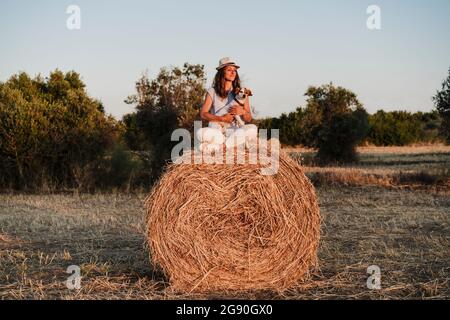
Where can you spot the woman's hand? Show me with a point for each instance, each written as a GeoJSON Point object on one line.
{"type": "Point", "coordinates": [228, 118]}
{"type": "Point", "coordinates": [237, 110]}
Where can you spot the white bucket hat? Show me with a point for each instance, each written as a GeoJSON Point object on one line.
{"type": "Point", "coordinates": [227, 61]}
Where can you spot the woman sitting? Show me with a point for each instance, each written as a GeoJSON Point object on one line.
{"type": "Point", "coordinates": [220, 108]}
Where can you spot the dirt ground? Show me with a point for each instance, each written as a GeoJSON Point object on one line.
{"type": "Point", "coordinates": [403, 231]}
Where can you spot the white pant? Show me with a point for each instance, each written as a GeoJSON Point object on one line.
{"type": "Point", "coordinates": [215, 135]}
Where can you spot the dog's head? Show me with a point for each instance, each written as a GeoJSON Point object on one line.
{"type": "Point", "coordinates": [243, 93]}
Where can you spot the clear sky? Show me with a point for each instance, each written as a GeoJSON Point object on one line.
{"type": "Point", "coordinates": [282, 46]}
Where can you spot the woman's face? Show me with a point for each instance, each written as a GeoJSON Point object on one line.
{"type": "Point", "coordinates": [230, 73]}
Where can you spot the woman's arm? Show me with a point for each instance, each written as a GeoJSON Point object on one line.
{"type": "Point", "coordinates": [204, 112]}
{"type": "Point", "coordinates": [247, 116]}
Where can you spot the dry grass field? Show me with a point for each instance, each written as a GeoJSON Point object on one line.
{"type": "Point", "coordinates": [391, 210]}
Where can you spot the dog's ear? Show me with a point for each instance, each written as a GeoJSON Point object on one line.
{"type": "Point", "coordinates": [249, 92]}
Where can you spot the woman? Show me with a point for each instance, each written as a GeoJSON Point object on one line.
{"type": "Point", "coordinates": [220, 109]}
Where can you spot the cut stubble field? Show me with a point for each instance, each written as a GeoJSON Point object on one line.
{"type": "Point", "coordinates": [403, 228]}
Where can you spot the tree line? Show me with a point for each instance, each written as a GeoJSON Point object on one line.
{"type": "Point", "coordinates": [383, 128]}
{"type": "Point", "coordinates": [54, 136]}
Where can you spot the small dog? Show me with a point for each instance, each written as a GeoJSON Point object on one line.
{"type": "Point", "coordinates": [213, 139]}
{"type": "Point", "coordinates": [241, 95]}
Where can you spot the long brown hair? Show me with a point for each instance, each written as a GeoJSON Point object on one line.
{"type": "Point", "coordinates": [219, 83]}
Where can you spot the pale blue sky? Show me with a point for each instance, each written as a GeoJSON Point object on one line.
{"type": "Point", "coordinates": [282, 46]}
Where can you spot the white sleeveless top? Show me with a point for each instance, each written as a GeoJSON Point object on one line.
{"type": "Point", "coordinates": [220, 106]}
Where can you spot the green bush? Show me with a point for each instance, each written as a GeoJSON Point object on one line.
{"type": "Point", "coordinates": [442, 103]}
{"type": "Point", "coordinates": [335, 122]}
{"type": "Point", "coordinates": [394, 128]}
{"type": "Point", "coordinates": [172, 100]}
{"type": "Point", "coordinates": [295, 128]}
{"type": "Point", "coordinates": [50, 131]}
{"type": "Point", "coordinates": [121, 169]}
{"type": "Point", "coordinates": [339, 138]}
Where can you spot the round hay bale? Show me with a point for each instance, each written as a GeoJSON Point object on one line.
{"type": "Point", "coordinates": [228, 227]}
